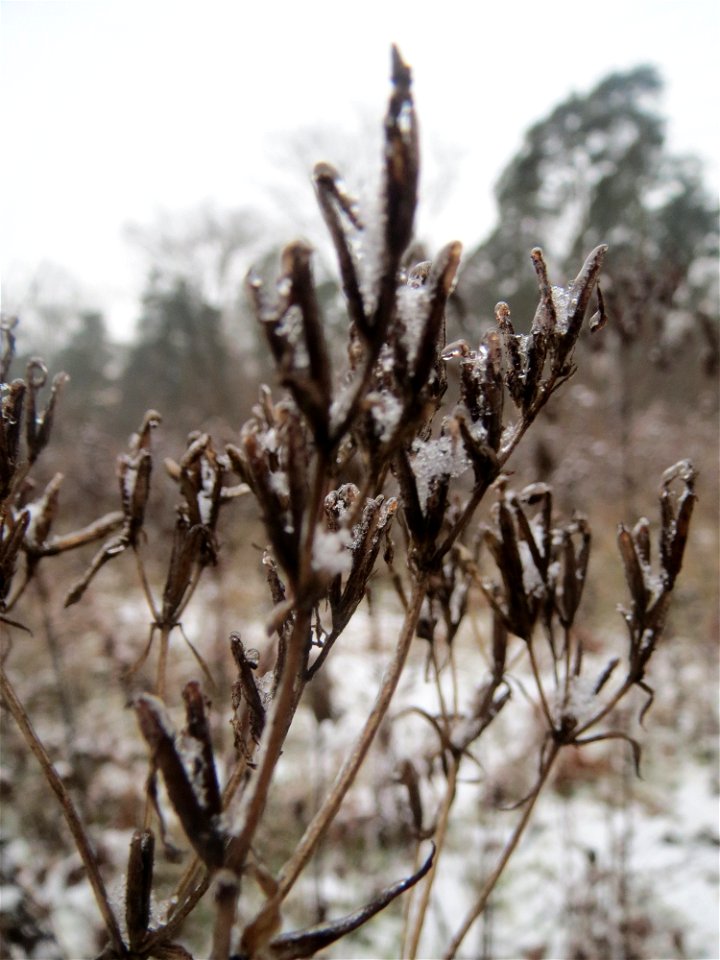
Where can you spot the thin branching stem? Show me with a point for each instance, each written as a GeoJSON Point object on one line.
{"type": "Point", "coordinates": [17, 591]}
{"type": "Point", "coordinates": [608, 708]}
{"type": "Point", "coordinates": [539, 685]}
{"type": "Point", "coordinates": [142, 574]}
{"type": "Point", "coordinates": [491, 882]}
{"type": "Point", "coordinates": [439, 840]}
{"type": "Point", "coordinates": [348, 772]}
{"type": "Point", "coordinates": [175, 922]}
{"type": "Point", "coordinates": [165, 631]}
{"type": "Point", "coordinates": [438, 686]}
{"type": "Point", "coordinates": [568, 666]}
{"type": "Point", "coordinates": [82, 841]}
{"type": "Point", "coordinates": [312, 515]}
{"type": "Point", "coordinates": [273, 740]}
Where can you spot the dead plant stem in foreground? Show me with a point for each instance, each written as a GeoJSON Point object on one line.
{"type": "Point", "coordinates": [71, 815]}
{"type": "Point", "coordinates": [410, 949]}
{"type": "Point", "coordinates": [348, 772]}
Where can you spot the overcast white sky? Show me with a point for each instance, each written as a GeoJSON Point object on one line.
{"type": "Point", "coordinates": [113, 111]}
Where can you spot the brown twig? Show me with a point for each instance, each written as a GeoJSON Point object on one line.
{"type": "Point", "coordinates": [82, 841]}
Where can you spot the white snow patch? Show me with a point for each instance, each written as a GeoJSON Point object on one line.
{"type": "Point", "coordinates": [433, 459]}
{"type": "Point", "coordinates": [331, 553]}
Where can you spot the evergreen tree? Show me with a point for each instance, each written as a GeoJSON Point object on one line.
{"type": "Point", "coordinates": [597, 170]}
{"type": "Point", "coordinates": [87, 359]}
{"type": "Point", "coordinates": [179, 363]}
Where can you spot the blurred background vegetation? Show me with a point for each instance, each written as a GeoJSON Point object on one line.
{"type": "Point", "coordinates": [595, 170]}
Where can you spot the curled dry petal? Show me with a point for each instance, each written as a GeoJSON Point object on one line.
{"type": "Point", "coordinates": [305, 943]}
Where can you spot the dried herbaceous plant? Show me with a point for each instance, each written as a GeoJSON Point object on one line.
{"type": "Point", "coordinates": [350, 473]}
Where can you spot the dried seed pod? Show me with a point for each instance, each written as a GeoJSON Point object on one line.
{"type": "Point", "coordinates": [675, 523]}
{"type": "Point", "coordinates": [333, 200]}
{"type": "Point", "coordinates": [633, 571]}
{"type": "Point", "coordinates": [297, 261]}
{"type": "Point", "coordinates": [134, 475]}
{"type": "Point", "coordinates": [641, 536]}
{"type": "Point", "coordinates": [545, 318]}
{"type": "Point", "coordinates": [578, 297]}
{"type": "Point", "coordinates": [499, 646]}
{"type": "Point", "coordinates": [367, 536]}
{"type": "Point", "coordinates": [277, 587]}
{"type": "Point", "coordinates": [186, 554]}
{"type": "Point", "coordinates": [409, 497]}
{"type": "Point", "coordinates": [138, 886]}
{"type": "Point", "coordinates": [514, 361]}
{"type": "Point", "coordinates": [569, 598]}
{"type": "Point", "coordinates": [272, 487]}
{"type": "Point", "coordinates": [302, 360]}
{"type": "Point", "coordinates": [172, 469]}
{"type": "Point", "coordinates": [527, 535]}
{"type": "Point", "coordinates": [198, 729]}
{"type": "Point", "coordinates": [199, 822]}
{"type": "Point", "coordinates": [482, 456]}
{"type": "Point", "coordinates": [541, 493]}
{"type": "Point", "coordinates": [142, 439]}
{"type": "Point", "coordinates": [513, 604]}
{"type": "Point", "coordinates": [295, 445]}
{"type": "Point", "coordinates": [599, 318]}
{"type": "Point", "coordinates": [439, 282]}
{"type": "Point", "coordinates": [44, 512]}
{"type": "Point", "coordinates": [580, 526]}
{"type": "Point", "coordinates": [36, 374]}
{"type": "Point", "coordinates": [330, 182]}
{"type": "Point", "coordinates": [535, 352]}
{"type": "Point", "coordinates": [491, 388]}
{"type": "Point", "coordinates": [401, 161]}
{"type": "Point", "coordinates": [245, 691]}
{"type": "Point", "coordinates": [11, 414]}
{"type": "Point", "coordinates": [238, 464]}
{"type": "Point", "coordinates": [338, 503]}
{"type": "Point", "coordinates": [12, 534]}
{"type": "Point", "coordinates": [543, 328]}
{"type": "Point", "coordinates": [38, 426]}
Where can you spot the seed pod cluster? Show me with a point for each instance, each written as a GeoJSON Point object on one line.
{"type": "Point", "coordinates": [38, 426]}
{"type": "Point", "coordinates": [273, 459]}
{"type": "Point", "coordinates": [650, 590]}
{"type": "Point", "coordinates": [543, 568]}
{"type": "Point", "coordinates": [134, 470]}
{"type": "Point", "coordinates": [25, 524]}
{"type": "Point", "coordinates": [188, 768]}
{"type": "Point", "coordinates": [554, 332]}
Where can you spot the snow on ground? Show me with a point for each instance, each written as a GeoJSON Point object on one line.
{"type": "Point", "coordinates": [608, 863]}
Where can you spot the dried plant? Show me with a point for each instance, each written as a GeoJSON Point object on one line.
{"type": "Point", "coordinates": [349, 473]}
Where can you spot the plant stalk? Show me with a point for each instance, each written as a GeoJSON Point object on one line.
{"type": "Point", "coordinates": [82, 841]}
{"type": "Point", "coordinates": [510, 846]}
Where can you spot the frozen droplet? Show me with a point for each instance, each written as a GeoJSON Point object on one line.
{"type": "Point", "coordinates": [458, 348]}
{"type": "Point", "coordinates": [284, 286]}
